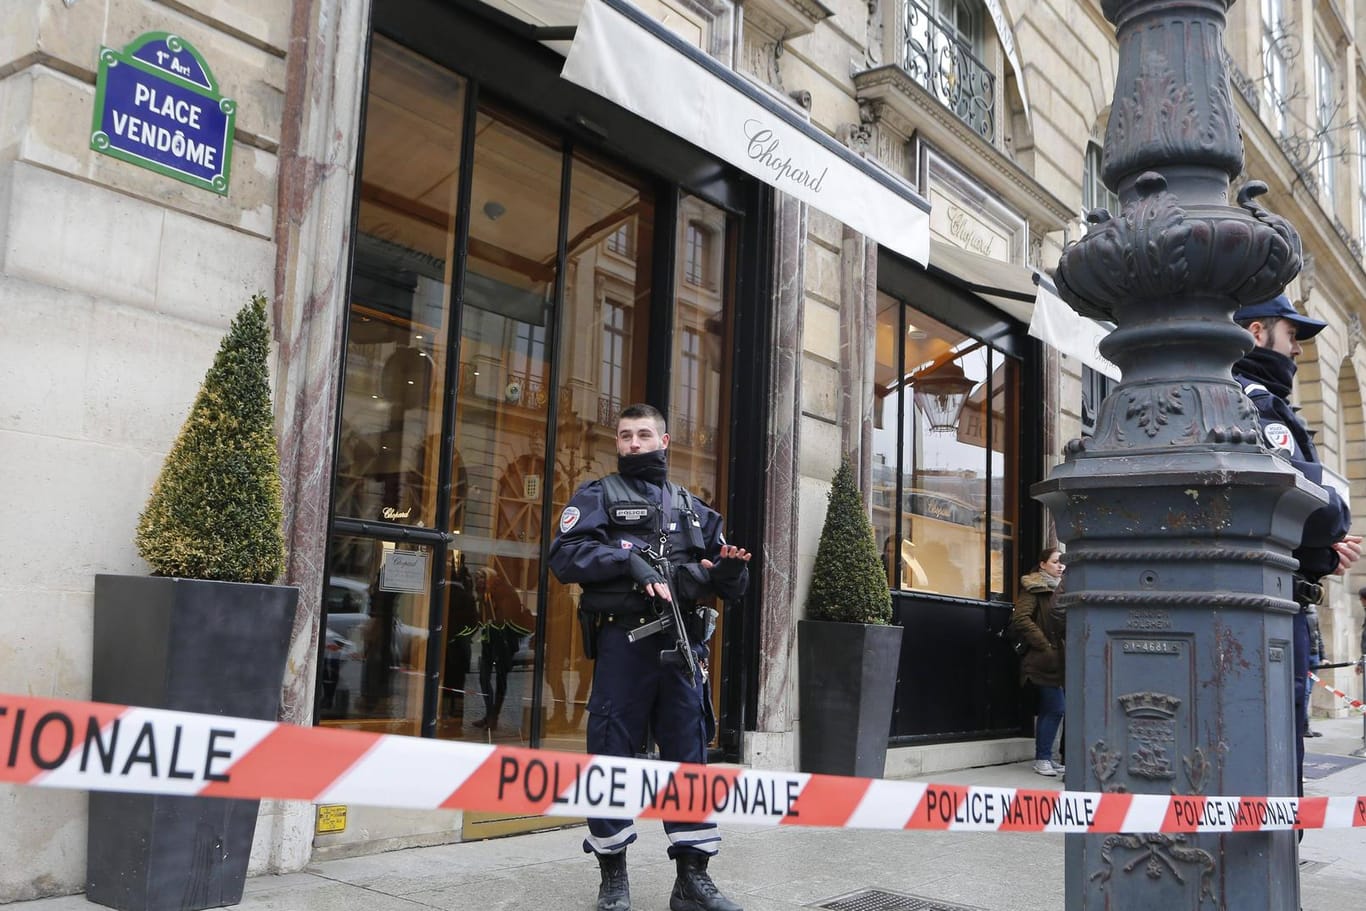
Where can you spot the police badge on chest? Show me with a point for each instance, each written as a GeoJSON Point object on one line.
{"type": "Point", "coordinates": [631, 515]}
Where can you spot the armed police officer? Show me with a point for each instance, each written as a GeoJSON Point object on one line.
{"type": "Point", "coordinates": [1266, 374]}
{"type": "Point", "coordinates": [622, 538]}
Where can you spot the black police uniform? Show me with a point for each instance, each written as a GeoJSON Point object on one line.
{"type": "Point", "coordinates": [632, 690]}
{"type": "Point", "coordinates": [1259, 373]}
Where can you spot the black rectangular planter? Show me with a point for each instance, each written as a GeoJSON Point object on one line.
{"type": "Point", "coordinates": [193, 646]}
{"type": "Point", "coordinates": [847, 682]}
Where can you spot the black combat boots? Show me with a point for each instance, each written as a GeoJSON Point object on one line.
{"type": "Point", "coordinates": [694, 890]}
{"type": "Point", "coordinates": [615, 892]}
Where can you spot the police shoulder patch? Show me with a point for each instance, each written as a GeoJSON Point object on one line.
{"type": "Point", "coordinates": [1278, 437]}
{"type": "Point", "coordinates": [569, 518]}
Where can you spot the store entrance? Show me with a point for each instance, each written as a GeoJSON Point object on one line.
{"type": "Point", "coordinates": [510, 294]}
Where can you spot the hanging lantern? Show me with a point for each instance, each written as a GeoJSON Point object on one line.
{"type": "Point", "coordinates": [940, 394]}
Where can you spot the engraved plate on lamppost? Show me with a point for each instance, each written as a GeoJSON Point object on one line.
{"type": "Point", "coordinates": [1150, 647]}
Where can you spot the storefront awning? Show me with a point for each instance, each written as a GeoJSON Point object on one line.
{"type": "Point", "coordinates": [1058, 325]}
{"type": "Point", "coordinates": [1006, 286]}
{"type": "Point", "coordinates": [1030, 297]}
{"type": "Point", "coordinates": [632, 60]}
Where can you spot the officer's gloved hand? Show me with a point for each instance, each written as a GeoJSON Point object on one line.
{"type": "Point", "coordinates": [642, 571]}
{"type": "Point", "coordinates": [727, 570]}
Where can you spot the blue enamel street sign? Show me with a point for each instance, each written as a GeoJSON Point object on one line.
{"type": "Point", "coordinates": [157, 106]}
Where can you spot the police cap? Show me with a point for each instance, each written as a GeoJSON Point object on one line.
{"type": "Point", "coordinates": [1280, 307]}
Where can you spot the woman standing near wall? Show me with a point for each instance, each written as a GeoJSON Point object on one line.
{"type": "Point", "coordinates": [1043, 627]}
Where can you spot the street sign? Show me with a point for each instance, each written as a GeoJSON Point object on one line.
{"type": "Point", "coordinates": [331, 819]}
{"type": "Point", "coordinates": [157, 106]}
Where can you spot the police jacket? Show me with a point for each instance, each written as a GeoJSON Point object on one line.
{"type": "Point", "coordinates": [603, 524]}
{"type": "Point", "coordinates": [1285, 434]}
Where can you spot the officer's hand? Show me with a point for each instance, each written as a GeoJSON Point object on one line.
{"type": "Point", "coordinates": [1348, 551]}
{"type": "Point", "coordinates": [647, 577]}
{"type": "Point", "coordinates": [729, 565]}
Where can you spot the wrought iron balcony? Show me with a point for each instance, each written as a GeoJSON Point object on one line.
{"type": "Point", "coordinates": [941, 62]}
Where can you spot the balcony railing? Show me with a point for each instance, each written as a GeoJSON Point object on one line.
{"type": "Point", "coordinates": [937, 58]}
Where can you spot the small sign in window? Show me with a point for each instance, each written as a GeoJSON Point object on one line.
{"type": "Point", "coordinates": [404, 571]}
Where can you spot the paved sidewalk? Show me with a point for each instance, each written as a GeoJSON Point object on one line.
{"type": "Point", "coordinates": [773, 869]}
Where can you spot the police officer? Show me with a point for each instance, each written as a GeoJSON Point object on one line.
{"type": "Point", "coordinates": [1266, 374]}
{"type": "Point", "coordinates": [602, 533]}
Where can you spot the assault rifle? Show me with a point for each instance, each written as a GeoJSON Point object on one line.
{"type": "Point", "coordinates": [671, 619]}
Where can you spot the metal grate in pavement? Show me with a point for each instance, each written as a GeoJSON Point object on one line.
{"type": "Point", "coordinates": [1311, 866]}
{"type": "Point", "coordinates": [879, 900]}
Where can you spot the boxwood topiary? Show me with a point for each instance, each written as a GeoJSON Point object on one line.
{"type": "Point", "coordinates": [848, 582]}
{"type": "Point", "coordinates": [215, 511]}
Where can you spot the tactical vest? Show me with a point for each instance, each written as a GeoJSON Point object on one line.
{"type": "Point", "coordinates": [630, 512]}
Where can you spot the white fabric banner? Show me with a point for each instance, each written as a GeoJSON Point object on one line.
{"type": "Point", "coordinates": [1059, 326]}
{"type": "Point", "coordinates": [627, 57]}
{"type": "Point", "coordinates": [1007, 36]}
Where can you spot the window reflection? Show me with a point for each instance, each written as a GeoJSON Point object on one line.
{"type": "Point", "coordinates": [375, 635]}
{"type": "Point", "coordinates": [608, 282]}
{"type": "Point", "coordinates": [701, 326]}
{"type": "Point", "coordinates": [403, 344]}
{"type": "Point", "coordinates": [701, 329]}
{"type": "Point", "coordinates": [944, 467]}
{"type": "Point", "coordinates": [500, 432]}
{"type": "Point", "coordinates": [396, 339]}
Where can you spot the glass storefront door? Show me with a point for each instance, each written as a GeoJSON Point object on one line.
{"type": "Point", "coordinates": [954, 444]}
{"type": "Point", "coordinates": [506, 303]}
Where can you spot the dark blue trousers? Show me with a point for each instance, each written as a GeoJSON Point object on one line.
{"type": "Point", "coordinates": [635, 696]}
{"type": "Point", "coordinates": [1301, 656]}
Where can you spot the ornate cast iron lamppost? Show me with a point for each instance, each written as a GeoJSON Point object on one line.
{"type": "Point", "coordinates": [1178, 525]}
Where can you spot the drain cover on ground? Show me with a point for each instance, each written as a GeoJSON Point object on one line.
{"type": "Point", "coordinates": [1321, 765]}
{"type": "Point", "coordinates": [878, 900]}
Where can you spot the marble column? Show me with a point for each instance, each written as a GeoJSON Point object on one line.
{"type": "Point", "coordinates": [323, 95]}
{"type": "Point", "coordinates": [771, 744]}
{"type": "Point", "coordinates": [858, 353]}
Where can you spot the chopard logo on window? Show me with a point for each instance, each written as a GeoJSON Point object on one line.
{"type": "Point", "coordinates": [764, 148]}
{"type": "Point", "coordinates": [390, 512]}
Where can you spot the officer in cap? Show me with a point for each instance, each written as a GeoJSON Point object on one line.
{"type": "Point", "coordinates": [602, 534]}
{"type": "Point", "coordinates": [1266, 374]}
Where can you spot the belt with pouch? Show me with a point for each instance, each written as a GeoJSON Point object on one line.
{"type": "Point", "coordinates": [1306, 592]}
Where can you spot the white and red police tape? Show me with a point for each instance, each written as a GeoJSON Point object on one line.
{"type": "Point", "coordinates": [97, 747]}
{"type": "Point", "coordinates": [1355, 705]}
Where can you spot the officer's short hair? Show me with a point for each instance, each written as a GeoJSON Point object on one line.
{"type": "Point", "coordinates": [642, 410]}
{"type": "Point", "coordinates": [1362, 592]}
{"type": "Point", "coordinates": [1268, 322]}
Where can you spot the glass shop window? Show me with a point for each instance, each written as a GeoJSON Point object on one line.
{"type": "Point", "coordinates": [945, 456]}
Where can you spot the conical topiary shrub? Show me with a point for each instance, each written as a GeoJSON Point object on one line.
{"type": "Point", "coordinates": [215, 510]}
{"type": "Point", "coordinates": [848, 583]}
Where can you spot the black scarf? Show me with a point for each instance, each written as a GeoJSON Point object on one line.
{"type": "Point", "coordinates": [648, 466]}
{"type": "Point", "coordinates": [1272, 369]}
